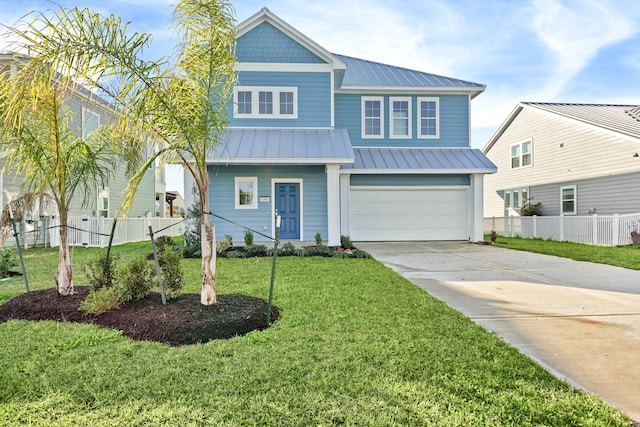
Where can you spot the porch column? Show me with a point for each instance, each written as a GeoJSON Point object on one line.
{"type": "Point", "coordinates": [333, 204]}
{"type": "Point", "coordinates": [477, 208]}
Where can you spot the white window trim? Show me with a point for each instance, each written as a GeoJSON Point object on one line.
{"type": "Point", "coordinates": [392, 99]}
{"type": "Point", "coordinates": [255, 102]}
{"type": "Point", "coordinates": [437, 101]}
{"type": "Point", "coordinates": [520, 144]}
{"type": "Point", "coordinates": [254, 181]}
{"type": "Point", "coordinates": [86, 112]}
{"type": "Point", "coordinates": [362, 116]}
{"type": "Point", "coordinates": [99, 204]}
{"type": "Point", "coordinates": [575, 199]}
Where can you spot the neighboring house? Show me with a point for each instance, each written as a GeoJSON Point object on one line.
{"type": "Point", "coordinates": [88, 112]}
{"type": "Point", "coordinates": [343, 146]}
{"type": "Point", "coordinates": [573, 159]}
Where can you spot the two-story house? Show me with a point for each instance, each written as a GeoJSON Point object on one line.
{"type": "Point", "coordinates": [343, 146]}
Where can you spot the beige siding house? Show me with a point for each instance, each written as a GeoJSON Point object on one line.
{"type": "Point", "coordinates": [573, 159]}
{"type": "Point", "coordinates": [88, 112]}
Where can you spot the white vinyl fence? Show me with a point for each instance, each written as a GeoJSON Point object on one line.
{"type": "Point", "coordinates": [93, 232]}
{"type": "Point", "coordinates": [604, 230]}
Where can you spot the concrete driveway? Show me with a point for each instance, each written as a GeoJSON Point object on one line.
{"type": "Point", "coordinates": [579, 320]}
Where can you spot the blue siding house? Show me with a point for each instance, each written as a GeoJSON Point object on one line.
{"type": "Point", "coordinates": [344, 146]}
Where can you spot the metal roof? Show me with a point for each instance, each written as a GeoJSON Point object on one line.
{"type": "Point", "coordinates": [419, 160]}
{"type": "Point", "coordinates": [362, 73]}
{"type": "Point", "coordinates": [618, 118]}
{"type": "Point", "coordinates": [283, 146]}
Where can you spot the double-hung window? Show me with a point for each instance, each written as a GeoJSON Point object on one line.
{"type": "Point", "coordinates": [265, 102]}
{"type": "Point", "coordinates": [428, 118]}
{"type": "Point", "coordinates": [372, 117]}
{"type": "Point", "coordinates": [246, 190]}
{"type": "Point", "coordinates": [90, 121]}
{"type": "Point", "coordinates": [569, 200]}
{"type": "Point", "coordinates": [521, 154]}
{"type": "Point", "coordinates": [400, 121]}
{"type": "Point", "coordinates": [103, 203]}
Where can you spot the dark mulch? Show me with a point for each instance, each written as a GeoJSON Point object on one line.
{"type": "Point", "coordinates": [181, 321]}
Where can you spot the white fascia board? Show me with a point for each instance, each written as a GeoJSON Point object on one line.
{"type": "Point", "coordinates": [417, 171]}
{"type": "Point", "coordinates": [265, 15]}
{"type": "Point", "coordinates": [267, 161]}
{"type": "Point", "coordinates": [284, 67]}
{"type": "Point", "coordinates": [472, 91]}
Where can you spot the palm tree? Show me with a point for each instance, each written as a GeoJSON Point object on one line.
{"type": "Point", "coordinates": [41, 146]}
{"type": "Point", "coordinates": [180, 104]}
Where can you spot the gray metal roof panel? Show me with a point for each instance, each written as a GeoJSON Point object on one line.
{"type": "Point", "coordinates": [624, 119]}
{"type": "Point", "coordinates": [420, 160]}
{"type": "Point", "coordinates": [361, 72]}
{"type": "Point", "coordinates": [284, 146]}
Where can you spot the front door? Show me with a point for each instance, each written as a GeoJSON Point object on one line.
{"type": "Point", "coordinates": [288, 206]}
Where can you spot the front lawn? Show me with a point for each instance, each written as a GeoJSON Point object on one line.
{"type": "Point", "coordinates": [356, 344]}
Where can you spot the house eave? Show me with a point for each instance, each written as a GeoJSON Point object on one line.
{"type": "Point", "coordinates": [417, 171]}
{"type": "Point", "coordinates": [472, 91]}
{"type": "Point", "coordinates": [278, 161]}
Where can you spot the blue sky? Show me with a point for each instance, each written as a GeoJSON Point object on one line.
{"type": "Point", "coordinates": [585, 51]}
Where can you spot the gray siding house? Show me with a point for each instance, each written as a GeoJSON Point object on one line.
{"type": "Point", "coordinates": [573, 159]}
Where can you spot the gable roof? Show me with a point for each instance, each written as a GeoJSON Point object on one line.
{"type": "Point", "coordinates": [622, 119]}
{"type": "Point", "coordinates": [364, 74]}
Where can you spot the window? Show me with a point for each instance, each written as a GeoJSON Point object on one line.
{"type": "Point", "coordinates": [90, 121]}
{"type": "Point", "coordinates": [428, 118]}
{"type": "Point", "coordinates": [568, 202]}
{"type": "Point", "coordinates": [265, 102]}
{"type": "Point", "coordinates": [103, 203]}
{"type": "Point", "coordinates": [372, 117]}
{"type": "Point", "coordinates": [400, 110]}
{"type": "Point", "coordinates": [516, 198]}
{"type": "Point", "coordinates": [246, 192]}
{"type": "Point", "coordinates": [521, 155]}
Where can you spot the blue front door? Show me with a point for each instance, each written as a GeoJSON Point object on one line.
{"type": "Point", "coordinates": [288, 206]}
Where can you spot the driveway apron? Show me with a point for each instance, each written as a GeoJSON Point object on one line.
{"type": "Point", "coordinates": [579, 320]}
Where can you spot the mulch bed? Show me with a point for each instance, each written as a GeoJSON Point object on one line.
{"type": "Point", "coordinates": [182, 321]}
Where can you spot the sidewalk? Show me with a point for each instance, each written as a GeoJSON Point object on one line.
{"type": "Point", "coordinates": [579, 320]}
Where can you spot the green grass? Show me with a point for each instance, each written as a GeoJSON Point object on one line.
{"type": "Point", "coordinates": [619, 256]}
{"type": "Point", "coordinates": [356, 344]}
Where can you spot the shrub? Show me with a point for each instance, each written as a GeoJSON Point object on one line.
{"type": "Point", "coordinates": [341, 254]}
{"type": "Point", "coordinates": [101, 271]}
{"type": "Point", "coordinates": [321, 250]}
{"type": "Point", "coordinates": [7, 261]}
{"type": "Point", "coordinates": [234, 253]}
{"type": "Point", "coordinates": [136, 279]}
{"type": "Point", "coordinates": [224, 244]}
{"type": "Point", "coordinates": [287, 249]}
{"type": "Point", "coordinates": [248, 237]}
{"type": "Point", "coordinates": [361, 254]}
{"type": "Point", "coordinates": [256, 250]}
{"type": "Point", "coordinates": [345, 242]}
{"type": "Point", "coordinates": [172, 277]}
{"type": "Point", "coordinates": [318, 238]}
{"type": "Point", "coordinates": [102, 300]}
{"type": "Point", "coordinates": [192, 240]}
{"type": "Point", "coordinates": [531, 209]}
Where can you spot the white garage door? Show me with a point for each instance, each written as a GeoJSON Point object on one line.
{"type": "Point", "coordinates": [408, 214]}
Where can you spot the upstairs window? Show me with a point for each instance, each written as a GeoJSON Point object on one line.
{"type": "Point", "coordinates": [372, 117]}
{"type": "Point", "coordinates": [90, 122]}
{"type": "Point", "coordinates": [428, 118]}
{"type": "Point", "coordinates": [265, 102]}
{"type": "Point", "coordinates": [400, 110]}
{"type": "Point", "coordinates": [568, 200]}
{"type": "Point", "coordinates": [103, 203]}
{"type": "Point", "coordinates": [521, 154]}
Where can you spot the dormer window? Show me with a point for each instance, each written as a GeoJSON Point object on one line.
{"type": "Point", "coordinates": [265, 102]}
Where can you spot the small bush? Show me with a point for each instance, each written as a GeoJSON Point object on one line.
{"type": "Point", "coordinates": [318, 238]}
{"type": "Point", "coordinates": [302, 252]}
{"type": "Point", "coordinates": [224, 244]}
{"type": "Point", "coordinates": [172, 277]}
{"type": "Point", "coordinates": [164, 242]}
{"type": "Point", "coordinates": [234, 253]}
{"type": "Point", "coordinates": [345, 242]}
{"type": "Point", "coordinates": [102, 300]}
{"type": "Point", "coordinates": [7, 261]}
{"type": "Point", "coordinates": [321, 250]}
{"type": "Point", "coordinates": [531, 209]}
{"type": "Point", "coordinates": [248, 238]}
{"type": "Point", "coordinates": [256, 250]}
{"type": "Point", "coordinates": [101, 271]}
{"type": "Point", "coordinates": [287, 249]}
{"type": "Point", "coordinates": [136, 278]}
{"type": "Point", "coordinates": [341, 254]}
{"type": "Point", "coordinates": [192, 246]}
{"type": "Point", "coordinates": [361, 254]}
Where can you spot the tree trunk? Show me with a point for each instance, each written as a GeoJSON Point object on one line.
{"type": "Point", "coordinates": [63, 280]}
{"type": "Point", "coordinates": [208, 239]}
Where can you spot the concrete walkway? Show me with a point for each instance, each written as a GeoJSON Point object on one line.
{"type": "Point", "coordinates": [579, 320]}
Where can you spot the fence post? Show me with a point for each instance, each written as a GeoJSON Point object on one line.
{"type": "Point", "coordinates": [595, 229]}
{"type": "Point", "coordinates": [493, 222]}
{"type": "Point", "coordinates": [615, 235]}
{"type": "Point", "coordinates": [561, 228]}
{"type": "Point", "coordinates": [535, 226]}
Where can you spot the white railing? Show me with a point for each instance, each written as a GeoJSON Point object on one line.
{"type": "Point", "coordinates": [93, 232]}
{"type": "Point", "coordinates": [604, 230]}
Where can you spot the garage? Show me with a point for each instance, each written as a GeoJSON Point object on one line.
{"type": "Point", "coordinates": [408, 213]}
